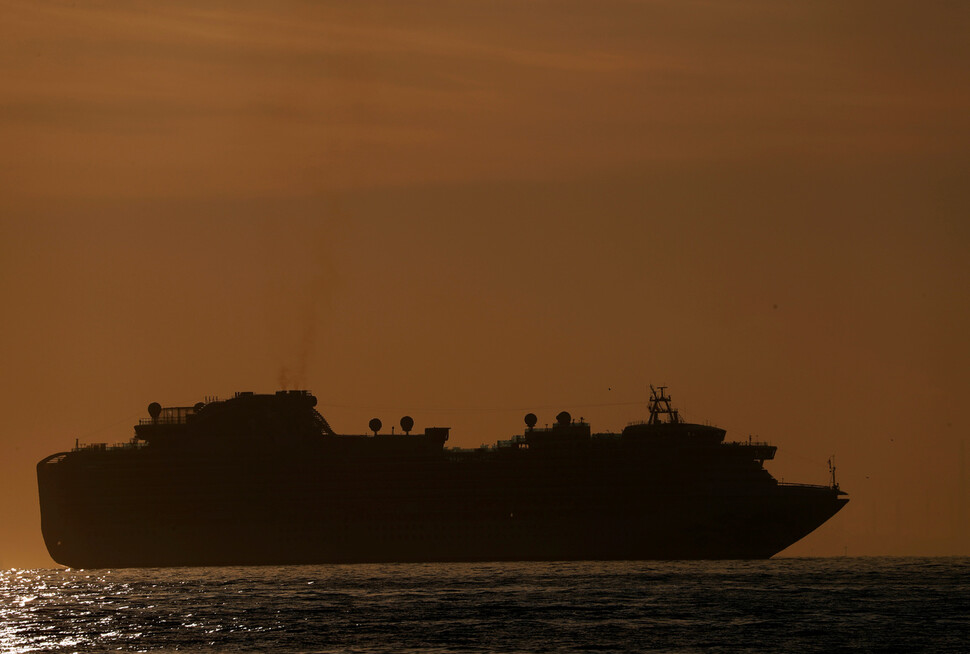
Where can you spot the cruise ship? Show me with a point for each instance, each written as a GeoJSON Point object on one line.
{"type": "Point", "coordinates": [263, 479]}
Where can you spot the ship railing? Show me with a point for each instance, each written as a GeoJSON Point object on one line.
{"type": "Point", "coordinates": [789, 484]}
{"type": "Point", "coordinates": [105, 447]}
{"type": "Point", "coordinates": [163, 420]}
{"type": "Point", "coordinates": [512, 442]}
{"type": "Point", "coordinates": [171, 415]}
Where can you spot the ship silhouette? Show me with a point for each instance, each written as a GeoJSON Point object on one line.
{"type": "Point", "coordinates": [264, 479]}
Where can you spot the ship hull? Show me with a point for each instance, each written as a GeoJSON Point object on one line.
{"type": "Point", "coordinates": [141, 509]}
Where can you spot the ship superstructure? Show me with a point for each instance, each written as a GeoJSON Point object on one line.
{"type": "Point", "coordinates": [264, 479]}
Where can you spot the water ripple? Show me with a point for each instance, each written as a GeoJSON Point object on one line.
{"type": "Point", "coordinates": [811, 605]}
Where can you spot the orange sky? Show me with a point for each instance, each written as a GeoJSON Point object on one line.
{"type": "Point", "coordinates": [464, 211]}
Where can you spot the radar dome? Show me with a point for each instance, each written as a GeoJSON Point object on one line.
{"type": "Point", "coordinates": [564, 418]}
{"type": "Point", "coordinates": [375, 425]}
{"type": "Point", "coordinates": [154, 410]}
{"type": "Point", "coordinates": [531, 420]}
{"type": "Point", "coordinates": [407, 424]}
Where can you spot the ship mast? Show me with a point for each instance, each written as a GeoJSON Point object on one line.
{"type": "Point", "coordinates": [660, 406]}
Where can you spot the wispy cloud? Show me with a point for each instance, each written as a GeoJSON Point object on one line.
{"type": "Point", "coordinates": [143, 98]}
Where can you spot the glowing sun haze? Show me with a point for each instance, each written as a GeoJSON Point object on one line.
{"type": "Point", "coordinates": [466, 211]}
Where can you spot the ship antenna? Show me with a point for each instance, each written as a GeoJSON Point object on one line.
{"type": "Point", "coordinates": [835, 484]}
{"type": "Point", "coordinates": [660, 404]}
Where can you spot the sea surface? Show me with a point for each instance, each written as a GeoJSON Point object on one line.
{"type": "Point", "coordinates": [780, 605]}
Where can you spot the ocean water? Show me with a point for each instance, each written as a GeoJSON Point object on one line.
{"type": "Point", "coordinates": [781, 605]}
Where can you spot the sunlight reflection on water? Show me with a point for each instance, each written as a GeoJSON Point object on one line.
{"type": "Point", "coordinates": [784, 604]}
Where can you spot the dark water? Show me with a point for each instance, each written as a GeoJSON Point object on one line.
{"type": "Point", "coordinates": [784, 605]}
